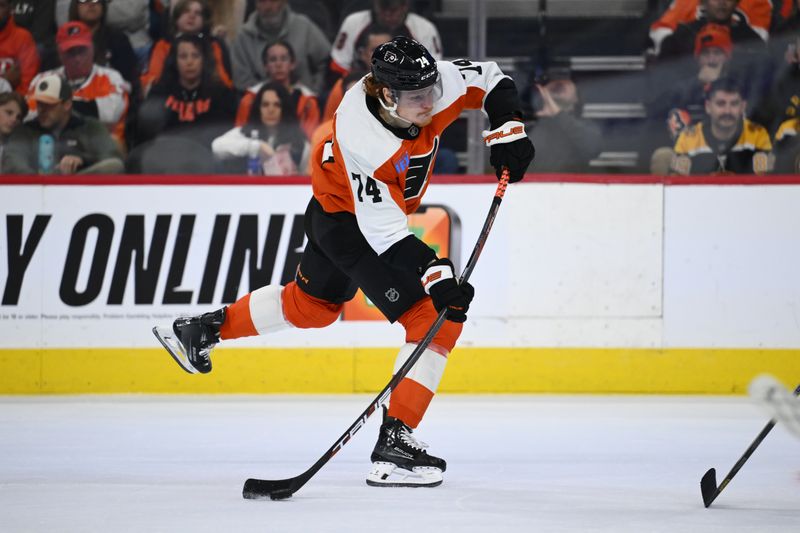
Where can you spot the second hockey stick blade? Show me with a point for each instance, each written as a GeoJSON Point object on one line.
{"type": "Point", "coordinates": [708, 486]}
{"type": "Point", "coordinates": [708, 483]}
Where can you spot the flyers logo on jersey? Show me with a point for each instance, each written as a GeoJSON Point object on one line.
{"type": "Point", "coordinates": [418, 170]}
{"type": "Point", "coordinates": [390, 57]}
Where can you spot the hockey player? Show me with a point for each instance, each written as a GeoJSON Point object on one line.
{"type": "Point", "coordinates": [367, 177]}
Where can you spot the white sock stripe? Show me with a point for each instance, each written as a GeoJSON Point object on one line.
{"type": "Point", "coordinates": [266, 310]}
{"type": "Point", "coordinates": [428, 369]}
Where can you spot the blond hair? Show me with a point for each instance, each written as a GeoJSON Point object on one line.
{"type": "Point", "coordinates": [373, 87]}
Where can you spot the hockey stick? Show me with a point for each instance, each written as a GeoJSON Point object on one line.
{"type": "Point", "coordinates": [708, 484]}
{"type": "Point", "coordinates": [279, 489]}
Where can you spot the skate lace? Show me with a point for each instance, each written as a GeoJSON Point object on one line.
{"type": "Point", "coordinates": [408, 439]}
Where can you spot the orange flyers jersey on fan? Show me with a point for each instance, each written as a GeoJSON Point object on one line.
{"type": "Point", "coordinates": [104, 86]}
{"type": "Point", "coordinates": [756, 13]}
{"type": "Point", "coordinates": [379, 175]}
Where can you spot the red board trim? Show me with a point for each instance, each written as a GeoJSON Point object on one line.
{"type": "Point", "coordinates": [234, 180]}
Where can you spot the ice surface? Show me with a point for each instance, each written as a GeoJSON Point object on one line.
{"type": "Point", "coordinates": [515, 463]}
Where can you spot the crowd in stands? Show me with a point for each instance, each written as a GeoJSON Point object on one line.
{"type": "Point", "coordinates": [130, 85]}
{"type": "Point", "coordinates": [725, 91]}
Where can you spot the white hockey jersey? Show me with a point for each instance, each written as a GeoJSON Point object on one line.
{"type": "Point", "coordinates": [380, 173]}
{"type": "Point", "coordinates": [344, 46]}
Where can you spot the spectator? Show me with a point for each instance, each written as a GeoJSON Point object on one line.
{"type": "Point", "coordinates": [372, 37]}
{"type": "Point", "coordinates": [189, 99]}
{"type": "Point", "coordinates": [394, 16]}
{"type": "Point", "coordinates": [787, 147]}
{"type": "Point", "coordinates": [133, 18]}
{"type": "Point", "coordinates": [564, 141]}
{"type": "Point", "coordinates": [725, 142]}
{"type": "Point", "coordinates": [112, 48]}
{"type": "Point", "coordinates": [82, 144]}
{"type": "Point", "coordinates": [273, 21]}
{"type": "Point", "coordinates": [712, 52]}
{"type": "Point", "coordinates": [757, 14]}
{"type": "Point", "coordinates": [19, 60]}
{"type": "Point", "coordinates": [320, 12]}
{"type": "Point", "coordinates": [783, 103]}
{"type": "Point", "coordinates": [227, 17]}
{"type": "Point", "coordinates": [97, 91]}
{"type": "Point", "coordinates": [12, 110]}
{"type": "Point", "coordinates": [39, 18]}
{"type": "Point", "coordinates": [780, 112]}
{"type": "Point", "coordinates": [189, 17]}
{"type": "Point", "coordinates": [683, 102]}
{"type": "Point", "coordinates": [283, 148]}
{"type": "Point", "coordinates": [749, 62]}
{"type": "Point", "coordinates": [323, 13]}
{"type": "Point", "coordinates": [279, 64]}
{"type": "Point", "coordinates": [723, 12]}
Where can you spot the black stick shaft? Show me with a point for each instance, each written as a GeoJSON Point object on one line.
{"type": "Point", "coordinates": [743, 459]}
{"type": "Point", "coordinates": [258, 488]}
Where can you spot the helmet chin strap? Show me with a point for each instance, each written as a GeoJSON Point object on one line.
{"type": "Point", "coordinates": [392, 111]}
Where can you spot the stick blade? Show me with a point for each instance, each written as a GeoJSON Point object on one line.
{"type": "Point", "coordinates": [708, 487]}
{"type": "Point", "coordinates": [261, 489]}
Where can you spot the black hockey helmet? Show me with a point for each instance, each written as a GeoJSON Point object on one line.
{"type": "Point", "coordinates": [404, 65]}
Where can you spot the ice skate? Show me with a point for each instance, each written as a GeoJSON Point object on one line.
{"type": "Point", "coordinates": [191, 339]}
{"type": "Point", "coordinates": [400, 460]}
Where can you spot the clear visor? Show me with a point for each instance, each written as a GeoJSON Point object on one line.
{"type": "Point", "coordinates": [420, 98]}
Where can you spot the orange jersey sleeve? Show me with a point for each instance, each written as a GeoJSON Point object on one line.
{"type": "Point", "coordinates": [156, 64]}
{"type": "Point", "coordinates": [334, 99]}
{"type": "Point", "coordinates": [245, 105]}
{"type": "Point", "coordinates": [223, 74]}
{"type": "Point", "coordinates": [308, 113]}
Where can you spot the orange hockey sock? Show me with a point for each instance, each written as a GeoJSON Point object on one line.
{"type": "Point", "coordinates": [256, 313]}
{"type": "Point", "coordinates": [411, 398]}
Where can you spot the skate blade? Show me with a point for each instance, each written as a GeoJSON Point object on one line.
{"type": "Point", "coordinates": [167, 339]}
{"type": "Point", "coordinates": [390, 475]}
{"type": "Point", "coordinates": [776, 401]}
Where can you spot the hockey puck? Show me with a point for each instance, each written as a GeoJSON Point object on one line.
{"type": "Point", "coordinates": [280, 494]}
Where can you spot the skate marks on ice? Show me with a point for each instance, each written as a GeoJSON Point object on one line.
{"type": "Point", "coordinates": [515, 463]}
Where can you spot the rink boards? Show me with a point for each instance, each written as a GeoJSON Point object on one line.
{"type": "Point", "coordinates": [587, 284]}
